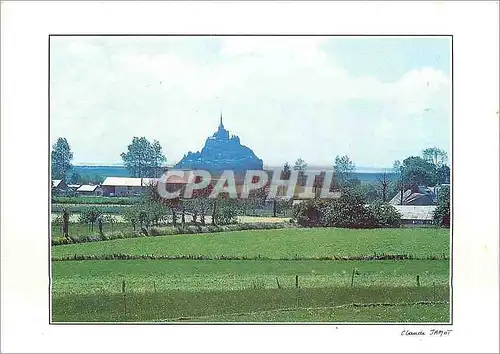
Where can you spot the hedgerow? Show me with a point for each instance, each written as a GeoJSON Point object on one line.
{"type": "Point", "coordinates": [174, 230]}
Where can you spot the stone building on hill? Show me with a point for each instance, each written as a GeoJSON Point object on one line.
{"type": "Point", "coordinates": [222, 152]}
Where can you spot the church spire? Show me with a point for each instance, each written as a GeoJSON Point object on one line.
{"type": "Point", "coordinates": [221, 126]}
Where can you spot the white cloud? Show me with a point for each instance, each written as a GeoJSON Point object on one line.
{"type": "Point", "coordinates": [283, 95]}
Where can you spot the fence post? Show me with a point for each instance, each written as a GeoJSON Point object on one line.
{"type": "Point", "coordinates": [124, 299]}
{"type": "Point", "coordinates": [154, 285]}
{"type": "Point", "coordinates": [352, 279]}
{"type": "Point", "coordinates": [434, 290]}
{"type": "Point", "coordinates": [296, 281]}
{"type": "Point", "coordinates": [278, 282]}
{"type": "Point", "coordinates": [418, 280]}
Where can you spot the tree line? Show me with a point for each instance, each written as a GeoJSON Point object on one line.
{"type": "Point", "coordinates": [142, 159]}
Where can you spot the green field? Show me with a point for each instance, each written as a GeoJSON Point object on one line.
{"type": "Point", "coordinates": [258, 290]}
{"type": "Point", "coordinates": [94, 200]}
{"type": "Point", "coordinates": [399, 313]}
{"type": "Point", "coordinates": [188, 275]}
{"type": "Point", "coordinates": [176, 305]}
{"type": "Point", "coordinates": [78, 230]}
{"type": "Point", "coordinates": [306, 242]}
{"type": "Point", "coordinates": [79, 208]}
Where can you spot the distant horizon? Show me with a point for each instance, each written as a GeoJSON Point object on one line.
{"type": "Point", "coordinates": [360, 169]}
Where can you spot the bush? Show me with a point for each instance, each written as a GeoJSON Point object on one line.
{"type": "Point", "coordinates": [348, 211]}
{"type": "Point", "coordinates": [308, 213]}
{"type": "Point", "coordinates": [225, 214]}
{"type": "Point", "coordinates": [385, 215]}
{"type": "Point", "coordinates": [442, 212]}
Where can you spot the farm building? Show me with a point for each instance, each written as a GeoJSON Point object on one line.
{"type": "Point", "coordinates": [125, 186]}
{"type": "Point", "coordinates": [422, 195]}
{"type": "Point", "coordinates": [74, 187]}
{"type": "Point", "coordinates": [59, 186]}
{"type": "Point", "coordinates": [87, 189]}
{"type": "Point", "coordinates": [416, 214]}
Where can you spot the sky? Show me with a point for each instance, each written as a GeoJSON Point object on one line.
{"type": "Point", "coordinates": [375, 99]}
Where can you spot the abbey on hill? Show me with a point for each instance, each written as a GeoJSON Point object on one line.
{"type": "Point", "coordinates": [222, 152]}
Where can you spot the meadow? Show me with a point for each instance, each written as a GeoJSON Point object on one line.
{"type": "Point", "coordinates": [94, 200]}
{"type": "Point", "coordinates": [283, 280]}
{"type": "Point", "coordinates": [303, 242]}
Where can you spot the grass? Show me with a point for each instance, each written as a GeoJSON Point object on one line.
{"type": "Point", "coordinates": [79, 208]}
{"type": "Point", "coordinates": [80, 233]}
{"type": "Point", "coordinates": [247, 290]}
{"type": "Point", "coordinates": [94, 200]}
{"type": "Point", "coordinates": [78, 229]}
{"type": "Point", "coordinates": [84, 277]}
{"type": "Point", "coordinates": [175, 305]}
{"type": "Point", "coordinates": [420, 242]}
{"type": "Point", "coordinates": [439, 312]}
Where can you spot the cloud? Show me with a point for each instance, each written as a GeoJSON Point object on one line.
{"type": "Point", "coordinates": [286, 97]}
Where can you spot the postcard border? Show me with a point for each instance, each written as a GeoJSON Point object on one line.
{"type": "Point", "coordinates": [450, 323]}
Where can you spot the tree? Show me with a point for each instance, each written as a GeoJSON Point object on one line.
{"type": "Point", "coordinates": [370, 191]}
{"type": "Point", "coordinates": [61, 157]}
{"type": "Point", "coordinates": [435, 156]}
{"type": "Point", "coordinates": [159, 158]}
{"type": "Point", "coordinates": [343, 169]}
{"type": "Point", "coordinates": [286, 172]}
{"type": "Point", "coordinates": [90, 216]}
{"type": "Point", "coordinates": [442, 175]}
{"type": "Point", "coordinates": [442, 212]}
{"type": "Point", "coordinates": [417, 171]}
{"type": "Point", "coordinates": [142, 158]}
{"type": "Point", "coordinates": [300, 165]}
{"type": "Point", "coordinates": [66, 223]}
{"type": "Point", "coordinates": [383, 184]}
{"type": "Point", "coordinates": [284, 205]}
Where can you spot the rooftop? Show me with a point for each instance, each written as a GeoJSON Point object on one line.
{"type": "Point", "coordinates": [87, 188]}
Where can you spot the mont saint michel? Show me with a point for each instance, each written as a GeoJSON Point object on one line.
{"type": "Point", "coordinates": [222, 152]}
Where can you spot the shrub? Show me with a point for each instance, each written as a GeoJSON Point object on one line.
{"type": "Point", "coordinates": [348, 211]}
{"type": "Point", "coordinates": [225, 214]}
{"type": "Point", "coordinates": [308, 213]}
{"type": "Point", "coordinates": [385, 215]}
{"type": "Point", "coordinates": [442, 214]}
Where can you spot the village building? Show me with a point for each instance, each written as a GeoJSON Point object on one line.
{"type": "Point", "coordinates": [416, 214]}
{"type": "Point", "coordinates": [87, 189]}
{"type": "Point", "coordinates": [73, 187]}
{"type": "Point", "coordinates": [125, 186]}
{"type": "Point", "coordinates": [422, 196]}
{"type": "Point", "coordinates": [59, 187]}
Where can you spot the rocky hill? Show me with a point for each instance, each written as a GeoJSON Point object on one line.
{"type": "Point", "coordinates": [222, 152]}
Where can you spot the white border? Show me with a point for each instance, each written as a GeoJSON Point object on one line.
{"type": "Point", "coordinates": [25, 29]}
